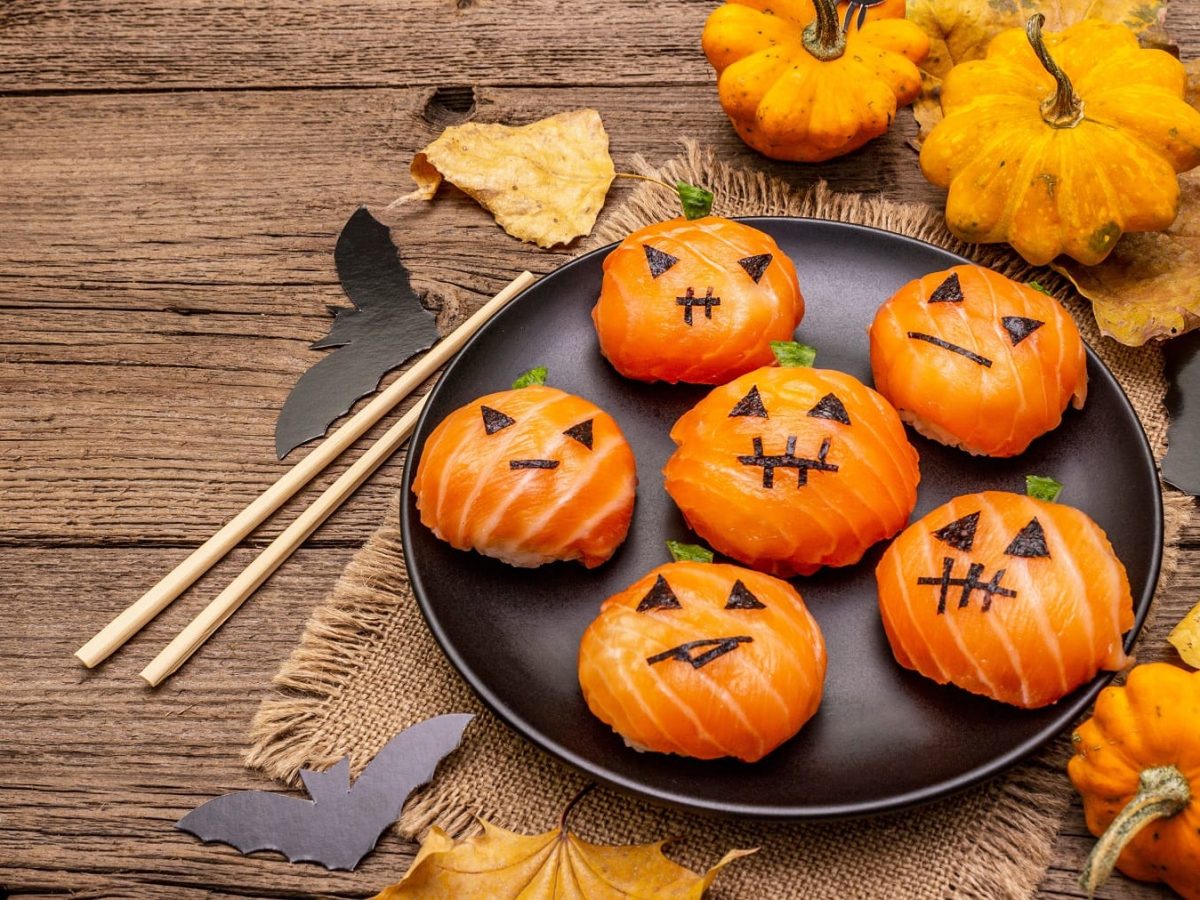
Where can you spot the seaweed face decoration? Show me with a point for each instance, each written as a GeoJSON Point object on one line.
{"type": "Point", "coordinates": [659, 262]}
{"type": "Point", "coordinates": [1018, 328]}
{"type": "Point", "coordinates": [1028, 543]}
{"type": "Point", "coordinates": [828, 407]}
{"type": "Point", "coordinates": [698, 653]}
{"type": "Point", "coordinates": [495, 421]}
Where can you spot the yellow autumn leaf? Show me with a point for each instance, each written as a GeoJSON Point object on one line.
{"type": "Point", "coordinates": [1185, 637]}
{"type": "Point", "coordinates": [555, 865]}
{"type": "Point", "coordinates": [960, 30]}
{"type": "Point", "coordinates": [1149, 286]}
{"type": "Point", "coordinates": [544, 182]}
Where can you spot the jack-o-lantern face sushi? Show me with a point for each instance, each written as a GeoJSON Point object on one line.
{"type": "Point", "coordinates": [695, 300]}
{"type": "Point", "coordinates": [704, 660]}
{"type": "Point", "coordinates": [975, 360]}
{"type": "Point", "coordinates": [1007, 596]}
{"type": "Point", "coordinates": [528, 476]}
{"type": "Point", "coordinates": [791, 469]}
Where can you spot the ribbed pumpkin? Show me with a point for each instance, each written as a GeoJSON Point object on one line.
{"type": "Point", "coordinates": [1059, 143]}
{"type": "Point", "coordinates": [1137, 767]}
{"type": "Point", "coordinates": [798, 87]}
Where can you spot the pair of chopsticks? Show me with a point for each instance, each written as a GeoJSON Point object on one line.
{"type": "Point", "coordinates": [155, 600]}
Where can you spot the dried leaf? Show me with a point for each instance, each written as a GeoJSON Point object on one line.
{"type": "Point", "coordinates": [545, 182]}
{"type": "Point", "coordinates": [1149, 286]}
{"type": "Point", "coordinates": [960, 30]}
{"type": "Point", "coordinates": [556, 864]}
{"type": "Point", "coordinates": [1185, 637]}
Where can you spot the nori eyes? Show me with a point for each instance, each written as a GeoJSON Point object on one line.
{"type": "Point", "coordinates": [1030, 542]}
{"type": "Point", "coordinates": [494, 420]}
{"type": "Point", "coordinates": [581, 432]}
{"type": "Point", "coordinates": [960, 534]}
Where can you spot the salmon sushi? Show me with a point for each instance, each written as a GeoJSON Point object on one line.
{"type": "Point", "coordinates": [790, 469]}
{"type": "Point", "coordinates": [528, 476]}
{"type": "Point", "coordinates": [704, 660]}
{"type": "Point", "coordinates": [1007, 596]}
{"type": "Point", "coordinates": [697, 301]}
{"type": "Point", "coordinates": [977, 361]}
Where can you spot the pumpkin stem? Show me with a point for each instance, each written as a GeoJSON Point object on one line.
{"type": "Point", "coordinates": [823, 37]}
{"type": "Point", "coordinates": [1162, 792]}
{"type": "Point", "coordinates": [1063, 108]}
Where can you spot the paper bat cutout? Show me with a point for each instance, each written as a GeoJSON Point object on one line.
{"type": "Point", "coordinates": [340, 824]}
{"type": "Point", "coordinates": [1181, 465]}
{"type": "Point", "coordinates": [386, 327]}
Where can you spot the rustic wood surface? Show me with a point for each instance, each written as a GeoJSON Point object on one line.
{"type": "Point", "coordinates": [173, 176]}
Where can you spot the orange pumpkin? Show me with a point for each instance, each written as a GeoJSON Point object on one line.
{"type": "Point", "coordinates": [1137, 767]}
{"type": "Point", "coordinates": [705, 661]}
{"type": "Point", "coordinates": [797, 86]}
{"type": "Point", "coordinates": [697, 301]}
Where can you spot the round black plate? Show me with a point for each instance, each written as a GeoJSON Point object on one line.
{"type": "Point", "coordinates": [884, 737]}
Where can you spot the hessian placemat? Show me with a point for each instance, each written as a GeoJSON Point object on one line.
{"type": "Point", "coordinates": [367, 667]}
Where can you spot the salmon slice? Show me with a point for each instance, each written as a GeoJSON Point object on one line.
{"type": "Point", "coordinates": [704, 660]}
{"type": "Point", "coordinates": [975, 360]}
{"type": "Point", "coordinates": [528, 476]}
{"type": "Point", "coordinates": [697, 301]}
{"type": "Point", "coordinates": [1006, 596]}
{"type": "Point", "coordinates": [848, 480]}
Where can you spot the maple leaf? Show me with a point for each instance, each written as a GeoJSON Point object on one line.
{"type": "Point", "coordinates": [556, 864]}
{"type": "Point", "coordinates": [544, 182]}
{"type": "Point", "coordinates": [960, 30]}
{"type": "Point", "coordinates": [1149, 286]}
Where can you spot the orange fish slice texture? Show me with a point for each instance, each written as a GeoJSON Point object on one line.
{"type": "Point", "coordinates": [528, 476]}
{"type": "Point", "coordinates": [975, 360]}
{"type": "Point", "coordinates": [704, 660]}
{"type": "Point", "coordinates": [809, 511]}
{"type": "Point", "coordinates": [697, 301]}
{"type": "Point", "coordinates": [1006, 596]}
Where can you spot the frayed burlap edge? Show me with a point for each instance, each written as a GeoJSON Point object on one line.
{"type": "Point", "coordinates": [1015, 844]}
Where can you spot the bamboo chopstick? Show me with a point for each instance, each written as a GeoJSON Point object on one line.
{"type": "Point", "coordinates": [227, 602]}
{"type": "Point", "coordinates": [154, 601]}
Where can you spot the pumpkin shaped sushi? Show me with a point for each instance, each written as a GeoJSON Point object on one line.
{"type": "Point", "coordinates": [791, 469]}
{"type": "Point", "coordinates": [704, 660]}
{"type": "Point", "coordinates": [975, 360]}
{"type": "Point", "coordinates": [695, 300]}
{"type": "Point", "coordinates": [528, 476]}
{"type": "Point", "coordinates": [1006, 596]}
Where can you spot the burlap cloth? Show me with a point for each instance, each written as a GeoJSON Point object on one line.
{"type": "Point", "coordinates": [368, 667]}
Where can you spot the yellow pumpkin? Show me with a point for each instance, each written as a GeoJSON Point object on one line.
{"type": "Point", "coordinates": [1059, 143]}
{"type": "Point", "coordinates": [800, 87]}
{"type": "Point", "coordinates": [1137, 767]}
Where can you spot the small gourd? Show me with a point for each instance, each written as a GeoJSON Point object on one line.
{"type": "Point", "coordinates": [1059, 143]}
{"type": "Point", "coordinates": [801, 86]}
{"type": "Point", "coordinates": [1137, 767]}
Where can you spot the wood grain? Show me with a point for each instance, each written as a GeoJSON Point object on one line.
{"type": "Point", "coordinates": [173, 176]}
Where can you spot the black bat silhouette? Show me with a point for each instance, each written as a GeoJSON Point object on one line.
{"type": "Point", "coordinates": [386, 327]}
{"type": "Point", "coordinates": [340, 824]}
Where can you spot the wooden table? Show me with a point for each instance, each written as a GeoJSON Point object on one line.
{"type": "Point", "coordinates": [173, 175]}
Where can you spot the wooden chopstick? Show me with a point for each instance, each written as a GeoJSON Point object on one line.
{"type": "Point", "coordinates": [227, 602]}
{"type": "Point", "coordinates": [179, 579]}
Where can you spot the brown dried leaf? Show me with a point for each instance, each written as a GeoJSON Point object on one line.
{"type": "Point", "coordinates": [960, 30]}
{"type": "Point", "coordinates": [545, 182]}
{"type": "Point", "coordinates": [1149, 286]}
{"type": "Point", "coordinates": [1185, 637]}
{"type": "Point", "coordinates": [556, 864]}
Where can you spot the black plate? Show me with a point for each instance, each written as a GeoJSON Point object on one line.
{"type": "Point", "coordinates": [884, 737]}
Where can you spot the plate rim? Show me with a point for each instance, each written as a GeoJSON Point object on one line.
{"type": "Point", "coordinates": [825, 812]}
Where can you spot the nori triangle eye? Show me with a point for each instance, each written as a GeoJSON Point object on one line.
{"type": "Point", "coordinates": [830, 407]}
{"type": "Point", "coordinates": [959, 534]}
{"type": "Point", "coordinates": [755, 266]}
{"type": "Point", "coordinates": [741, 598]}
{"type": "Point", "coordinates": [1019, 327]}
{"type": "Point", "coordinates": [658, 260]}
{"type": "Point", "coordinates": [1030, 542]}
{"type": "Point", "coordinates": [750, 405]}
{"type": "Point", "coordinates": [660, 596]}
{"type": "Point", "coordinates": [494, 420]}
{"type": "Point", "coordinates": [582, 433]}
{"type": "Point", "coordinates": [949, 291]}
